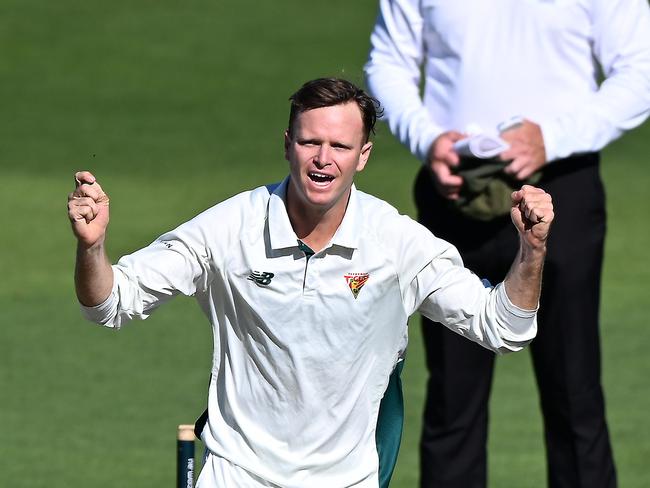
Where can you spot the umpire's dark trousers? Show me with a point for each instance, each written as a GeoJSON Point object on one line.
{"type": "Point", "coordinates": [566, 351]}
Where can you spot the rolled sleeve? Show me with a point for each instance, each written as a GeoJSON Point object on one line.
{"type": "Point", "coordinates": [517, 326]}
{"type": "Point", "coordinates": [105, 312]}
{"type": "Point", "coordinates": [448, 293]}
{"type": "Point", "coordinates": [175, 263]}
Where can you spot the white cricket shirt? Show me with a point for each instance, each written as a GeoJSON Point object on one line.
{"type": "Point", "coordinates": [303, 349]}
{"type": "Point", "coordinates": [486, 61]}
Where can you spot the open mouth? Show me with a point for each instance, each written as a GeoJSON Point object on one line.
{"type": "Point", "coordinates": [320, 178]}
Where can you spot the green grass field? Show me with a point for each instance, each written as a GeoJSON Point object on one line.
{"type": "Point", "coordinates": [175, 106]}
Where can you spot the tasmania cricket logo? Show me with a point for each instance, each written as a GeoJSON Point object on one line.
{"type": "Point", "coordinates": [356, 281]}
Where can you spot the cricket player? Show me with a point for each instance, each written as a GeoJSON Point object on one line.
{"type": "Point", "coordinates": [308, 285]}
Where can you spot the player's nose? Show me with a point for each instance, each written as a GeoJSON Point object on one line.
{"type": "Point", "coordinates": [323, 155]}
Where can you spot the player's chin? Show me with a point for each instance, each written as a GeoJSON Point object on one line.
{"type": "Point", "coordinates": [320, 200]}
{"type": "Point", "coordinates": [324, 198]}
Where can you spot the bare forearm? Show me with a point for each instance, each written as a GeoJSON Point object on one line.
{"type": "Point", "coordinates": [89, 215]}
{"type": "Point", "coordinates": [532, 215]}
{"type": "Point", "coordinates": [524, 280]}
{"type": "Point", "coordinates": [93, 275]}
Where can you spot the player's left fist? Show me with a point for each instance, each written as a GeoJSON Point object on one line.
{"type": "Point", "coordinates": [532, 213]}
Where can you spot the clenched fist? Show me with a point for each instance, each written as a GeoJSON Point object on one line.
{"type": "Point", "coordinates": [532, 214]}
{"type": "Point", "coordinates": [88, 210]}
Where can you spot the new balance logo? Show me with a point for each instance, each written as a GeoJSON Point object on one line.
{"type": "Point", "coordinates": [261, 277]}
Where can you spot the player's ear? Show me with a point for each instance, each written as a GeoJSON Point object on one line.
{"type": "Point", "coordinates": [366, 149]}
{"type": "Point", "coordinates": [287, 144]}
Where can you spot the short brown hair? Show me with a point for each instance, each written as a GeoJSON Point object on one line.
{"type": "Point", "coordinates": [327, 92]}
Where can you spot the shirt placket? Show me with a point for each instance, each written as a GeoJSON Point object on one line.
{"type": "Point", "coordinates": [311, 273]}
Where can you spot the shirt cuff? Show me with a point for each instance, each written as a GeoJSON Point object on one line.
{"type": "Point", "coordinates": [103, 312]}
{"type": "Point", "coordinates": [521, 322]}
{"type": "Point", "coordinates": [423, 149]}
{"type": "Point", "coordinates": [556, 143]}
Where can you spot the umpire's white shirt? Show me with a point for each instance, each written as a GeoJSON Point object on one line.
{"type": "Point", "coordinates": [484, 61]}
{"type": "Point", "coordinates": [303, 349]}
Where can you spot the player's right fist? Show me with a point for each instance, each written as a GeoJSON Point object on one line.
{"type": "Point", "coordinates": [88, 210]}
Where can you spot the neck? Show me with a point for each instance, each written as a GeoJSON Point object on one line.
{"type": "Point", "coordinates": [314, 226]}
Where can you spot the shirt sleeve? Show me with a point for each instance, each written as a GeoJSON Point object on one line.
{"type": "Point", "coordinates": [621, 44]}
{"type": "Point", "coordinates": [393, 73]}
{"type": "Point", "coordinates": [448, 293]}
{"type": "Point", "coordinates": [176, 263]}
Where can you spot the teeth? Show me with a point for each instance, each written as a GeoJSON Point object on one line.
{"type": "Point", "coordinates": [320, 177]}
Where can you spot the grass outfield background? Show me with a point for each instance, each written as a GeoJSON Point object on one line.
{"type": "Point", "coordinates": [175, 106]}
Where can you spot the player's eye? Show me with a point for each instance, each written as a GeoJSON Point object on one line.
{"type": "Point", "coordinates": [341, 147]}
{"type": "Point", "coordinates": [308, 142]}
